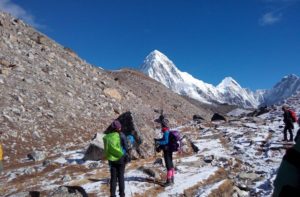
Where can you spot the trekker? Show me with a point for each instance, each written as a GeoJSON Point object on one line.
{"type": "Point", "coordinates": [117, 167]}
{"type": "Point", "coordinates": [287, 181]}
{"type": "Point", "coordinates": [168, 154]}
{"type": "Point", "coordinates": [288, 121]}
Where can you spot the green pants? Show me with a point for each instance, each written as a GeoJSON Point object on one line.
{"type": "Point", "coordinates": [1, 166]}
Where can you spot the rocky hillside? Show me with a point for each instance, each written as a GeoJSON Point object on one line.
{"type": "Point", "coordinates": [51, 99]}
{"type": "Point", "coordinates": [238, 157]}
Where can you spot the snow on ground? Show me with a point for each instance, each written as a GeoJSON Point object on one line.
{"type": "Point", "coordinates": [204, 192]}
{"type": "Point", "coordinates": [249, 150]}
{"type": "Point", "coordinates": [187, 178]}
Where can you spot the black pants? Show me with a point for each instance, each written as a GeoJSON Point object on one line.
{"type": "Point", "coordinates": [117, 170]}
{"type": "Point", "coordinates": [290, 130]}
{"type": "Point", "coordinates": [168, 156]}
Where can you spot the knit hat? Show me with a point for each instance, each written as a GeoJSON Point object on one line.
{"type": "Point", "coordinates": [116, 125]}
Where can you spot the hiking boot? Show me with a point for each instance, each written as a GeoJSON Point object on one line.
{"type": "Point", "coordinates": [172, 180]}
{"type": "Point", "coordinates": [168, 182]}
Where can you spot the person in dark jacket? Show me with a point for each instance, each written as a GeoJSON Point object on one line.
{"type": "Point", "coordinates": [168, 155]}
{"type": "Point", "coordinates": [287, 181]}
{"type": "Point", "coordinates": [288, 121]}
{"type": "Point", "coordinates": [117, 168]}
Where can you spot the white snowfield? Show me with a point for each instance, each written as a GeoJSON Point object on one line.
{"type": "Point", "coordinates": [159, 67]}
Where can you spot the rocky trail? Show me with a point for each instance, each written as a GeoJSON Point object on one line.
{"type": "Point", "coordinates": [235, 158]}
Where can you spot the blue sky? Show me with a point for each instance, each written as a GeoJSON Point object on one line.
{"type": "Point", "coordinates": [256, 42]}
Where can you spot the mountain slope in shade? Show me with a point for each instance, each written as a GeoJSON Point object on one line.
{"type": "Point", "coordinates": [159, 67]}
{"type": "Point", "coordinates": [288, 86]}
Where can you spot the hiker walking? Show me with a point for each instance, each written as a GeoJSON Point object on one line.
{"type": "Point", "coordinates": [116, 148]}
{"type": "Point", "coordinates": [162, 144]}
{"type": "Point", "coordinates": [288, 120]}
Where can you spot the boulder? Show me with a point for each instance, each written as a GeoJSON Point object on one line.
{"type": "Point", "coordinates": [95, 151]}
{"type": "Point", "coordinates": [150, 172]}
{"type": "Point", "coordinates": [197, 118]}
{"type": "Point", "coordinates": [113, 93]}
{"type": "Point", "coordinates": [159, 162]}
{"type": "Point", "coordinates": [36, 156]}
{"type": "Point", "coordinates": [249, 176]}
{"type": "Point", "coordinates": [260, 111]}
{"type": "Point", "coordinates": [129, 126]}
{"type": "Point", "coordinates": [217, 117]}
{"type": "Point", "coordinates": [208, 158]}
{"type": "Point", "coordinates": [66, 178]}
{"type": "Point", "coordinates": [68, 191]}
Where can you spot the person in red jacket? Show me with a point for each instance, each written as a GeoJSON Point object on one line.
{"type": "Point", "coordinates": [289, 124]}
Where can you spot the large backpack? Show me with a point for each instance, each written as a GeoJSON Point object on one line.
{"type": "Point", "coordinates": [174, 141]}
{"type": "Point", "coordinates": [112, 146]}
{"type": "Point", "coordinates": [293, 115]}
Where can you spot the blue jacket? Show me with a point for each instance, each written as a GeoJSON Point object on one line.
{"type": "Point", "coordinates": [165, 139]}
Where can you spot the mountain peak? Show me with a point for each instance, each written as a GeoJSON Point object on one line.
{"type": "Point", "coordinates": [157, 56]}
{"type": "Point", "coordinates": [156, 52]}
{"type": "Point", "coordinates": [291, 76]}
{"type": "Point", "coordinates": [228, 82]}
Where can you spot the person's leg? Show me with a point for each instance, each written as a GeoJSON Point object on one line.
{"type": "Point", "coordinates": [285, 133]}
{"type": "Point", "coordinates": [121, 171]}
{"type": "Point", "coordinates": [113, 180]}
{"type": "Point", "coordinates": [172, 167]}
{"type": "Point", "coordinates": [168, 161]}
{"type": "Point", "coordinates": [291, 134]}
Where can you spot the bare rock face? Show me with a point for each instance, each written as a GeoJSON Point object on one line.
{"type": "Point", "coordinates": [52, 99]}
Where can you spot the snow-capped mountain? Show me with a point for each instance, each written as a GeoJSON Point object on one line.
{"type": "Point", "coordinates": [159, 67]}
{"type": "Point", "coordinates": [288, 86]}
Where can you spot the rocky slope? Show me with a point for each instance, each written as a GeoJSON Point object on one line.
{"type": "Point", "coordinates": [51, 98]}
{"type": "Point", "coordinates": [237, 158]}
{"type": "Point", "coordinates": [288, 86]}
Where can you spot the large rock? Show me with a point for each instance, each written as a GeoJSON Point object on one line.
{"type": "Point", "coordinates": [68, 191]}
{"type": "Point", "coordinates": [217, 117]}
{"type": "Point", "coordinates": [95, 150]}
{"type": "Point", "coordinates": [197, 118]}
{"type": "Point", "coordinates": [37, 156]}
{"type": "Point", "coordinates": [260, 111]}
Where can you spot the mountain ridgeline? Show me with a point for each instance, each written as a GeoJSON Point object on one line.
{"type": "Point", "coordinates": [159, 67]}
